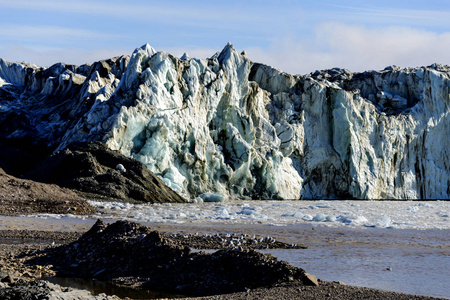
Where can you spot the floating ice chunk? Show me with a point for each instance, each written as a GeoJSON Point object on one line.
{"type": "Point", "coordinates": [210, 197]}
{"type": "Point", "coordinates": [196, 200]}
{"type": "Point", "coordinates": [224, 214]}
{"type": "Point", "coordinates": [422, 204]}
{"type": "Point", "coordinates": [383, 222]}
{"type": "Point", "coordinates": [319, 218]}
{"type": "Point", "coordinates": [413, 208]}
{"type": "Point", "coordinates": [294, 215]}
{"type": "Point", "coordinates": [307, 217]}
{"type": "Point", "coordinates": [330, 219]}
{"type": "Point", "coordinates": [358, 220]}
{"type": "Point", "coordinates": [281, 204]}
{"type": "Point", "coordinates": [247, 211]}
{"type": "Point", "coordinates": [259, 217]}
{"type": "Point", "coordinates": [443, 214]}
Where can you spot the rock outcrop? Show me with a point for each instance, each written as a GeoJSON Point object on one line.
{"type": "Point", "coordinates": [127, 253]}
{"type": "Point", "coordinates": [228, 125]}
{"type": "Point", "coordinates": [96, 172]}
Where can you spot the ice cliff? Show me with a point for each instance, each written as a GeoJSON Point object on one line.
{"type": "Point", "coordinates": [229, 125]}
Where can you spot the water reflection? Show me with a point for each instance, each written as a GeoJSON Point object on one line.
{"type": "Point", "coordinates": [402, 269]}
{"type": "Point", "coordinates": [98, 287]}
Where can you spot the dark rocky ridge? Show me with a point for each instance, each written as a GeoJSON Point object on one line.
{"type": "Point", "coordinates": [19, 196]}
{"type": "Point", "coordinates": [91, 170]}
{"type": "Point", "coordinates": [130, 254]}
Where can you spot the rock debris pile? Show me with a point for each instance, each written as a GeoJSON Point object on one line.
{"type": "Point", "coordinates": [20, 197]}
{"type": "Point", "coordinates": [23, 290]}
{"type": "Point", "coordinates": [127, 253]}
{"type": "Point", "coordinates": [231, 241]}
{"type": "Point", "coordinates": [92, 170]}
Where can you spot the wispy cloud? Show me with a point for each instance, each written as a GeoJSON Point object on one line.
{"type": "Point", "coordinates": [45, 56]}
{"type": "Point", "coordinates": [395, 12]}
{"type": "Point", "coordinates": [357, 48]}
{"type": "Point", "coordinates": [404, 16]}
{"type": "Point", "coordinates": [40, 33]}
{"type": "Point", "coordinates": [169, 13]}
{"type": "Point", "coordinates": [334, 44]}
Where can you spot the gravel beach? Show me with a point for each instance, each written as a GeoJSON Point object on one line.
{"type": "Point", "coordinates": [21, 280]}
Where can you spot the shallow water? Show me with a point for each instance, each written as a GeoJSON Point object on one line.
{"type": "Point", "coordinates": [418, 260]}
{"type": "Point", "coordinates": [400, 269]}
{"type": "Point", "coordinates": [407, 261]}
{"type": "Point", "coordinates": [355, 242]}
{"type": "Point", "coordinates": [98, 287]}
{"type": "Point", "coordinates": [25, 241]}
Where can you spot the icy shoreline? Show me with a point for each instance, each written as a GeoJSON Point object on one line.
{"type": "Point", "coordinates": [346, 213]}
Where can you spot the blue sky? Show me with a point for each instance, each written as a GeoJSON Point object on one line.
{"type": "Point", "coordinates": [294, 36]}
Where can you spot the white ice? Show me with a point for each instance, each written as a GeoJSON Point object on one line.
{"type": "Point", "coordinates": [381, 214]}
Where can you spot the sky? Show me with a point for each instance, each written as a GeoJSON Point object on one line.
{"type": "Point", "coordinates": [298, 37]}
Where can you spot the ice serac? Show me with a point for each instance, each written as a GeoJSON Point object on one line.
{"type": "Point", "coordinates": [203, 126]}
{"type": "Point", "coordinates": [229, 125]}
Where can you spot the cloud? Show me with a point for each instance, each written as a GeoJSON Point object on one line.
{"type": "Point", "coordinates": [180, 13]}
{"type": "Point", "coordinates": [43, 56]}
{"type": "Point", "coordinates": [47, 56]}
{"type": "Point", "coordinates": [356, 48]}
{"type": "Point", "coordinates": [49, 33]}
{"type": "Point", "coordinates": [412, 16]}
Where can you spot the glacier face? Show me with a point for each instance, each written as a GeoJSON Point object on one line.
{"type": "Point", "coordinates": [228, 125]}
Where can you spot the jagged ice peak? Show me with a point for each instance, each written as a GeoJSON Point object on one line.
{"type": "Point", "coordinates": [232, 127]}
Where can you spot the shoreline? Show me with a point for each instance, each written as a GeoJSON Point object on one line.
{"type": "Point", "coordinates": [326, 290]}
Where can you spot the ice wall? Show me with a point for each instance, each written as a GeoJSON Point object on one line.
{"type": "Point", "coordinates": [228, 125]}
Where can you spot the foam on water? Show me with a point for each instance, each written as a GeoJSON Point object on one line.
{"type": "Point", "coordinates": [381, 214]}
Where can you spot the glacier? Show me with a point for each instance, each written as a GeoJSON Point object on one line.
{"type": "Point", "coordinates": [231, 127]}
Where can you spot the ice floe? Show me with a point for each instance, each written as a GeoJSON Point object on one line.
{"type": "Point", "coordinates": [212, 209]}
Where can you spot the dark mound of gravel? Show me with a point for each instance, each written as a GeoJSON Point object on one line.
{"type": "Point", "coordinates": [20, 196]}
{"type": "Point", "coordinates": [127, 253]}
{"type": "Point", "coordinates": [24, 290]}
{"type": "Point", "coordinates": [91, 169]}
